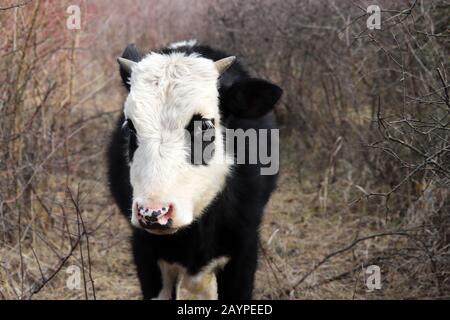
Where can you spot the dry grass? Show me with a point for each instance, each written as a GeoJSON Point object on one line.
{"type": "Point", "coordinates": [296, 234]}
{"type": "Point", "coordinates": [59, 98]}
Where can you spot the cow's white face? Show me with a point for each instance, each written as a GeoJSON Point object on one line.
{"type": "Point", "coordinates": [168, 92]}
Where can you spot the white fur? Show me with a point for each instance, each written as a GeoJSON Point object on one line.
{"type": "Point", "coordinates": [166, 91]}
{"type": "Point", "coordinates": [184, 43]}
{"type": "Point", "coordinates": [203, 284]}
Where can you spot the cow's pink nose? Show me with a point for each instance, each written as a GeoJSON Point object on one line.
{"type": "Point", "coordinates": [154, 213]}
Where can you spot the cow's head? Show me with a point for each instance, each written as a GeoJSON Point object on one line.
{"type": "Point", "coordinates": [172, 99]}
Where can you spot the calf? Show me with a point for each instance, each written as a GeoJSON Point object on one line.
{"type": "Point", "coordinates": [195, 222]}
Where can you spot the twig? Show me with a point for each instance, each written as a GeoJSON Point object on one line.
{"type": "Point", "coordinates": [15, 6]}
{"type": "Point", "coordinates": [56, 269]}
{"type": "Point", "coordinates": [344, 249]}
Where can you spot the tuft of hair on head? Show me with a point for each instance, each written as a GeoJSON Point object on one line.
{"type": "Point", "coordinates": [184, 43]}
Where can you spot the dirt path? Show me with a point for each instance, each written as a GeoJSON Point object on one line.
{"type": "Point", "coordinates": [297, 232]}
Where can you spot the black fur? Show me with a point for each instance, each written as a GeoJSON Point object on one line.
{"type": "Point", "coordinates": [133, 54]}
{"type": "Point", "coordinates": [229, 226]}
{"type": "Point", "coordinates": [203, 129]}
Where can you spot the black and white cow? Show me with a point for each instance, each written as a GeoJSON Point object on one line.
{"type": "Point", "coordinates": [195, 225]}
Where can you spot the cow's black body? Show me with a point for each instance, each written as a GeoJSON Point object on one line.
{"type": "Point", "coordinates": [229, 226]}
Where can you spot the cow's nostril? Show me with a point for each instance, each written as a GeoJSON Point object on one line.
{"type": "Point", "coordinates": [156, 213]}
{"type": "Point", "coordinates": [153, 215]}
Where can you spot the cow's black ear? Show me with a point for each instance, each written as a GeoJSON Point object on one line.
{"type": "Point", "coordinates": [132, 53]}
{"type": "Point", "coordinates": [251, 98]}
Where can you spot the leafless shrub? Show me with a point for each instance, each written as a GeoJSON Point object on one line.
{"type": "Point", "coordinates": [368, 106]}
{"type": "Point", "coordinates": [366, 113]}
{"type": "Point", "coordinates": [59, 97]}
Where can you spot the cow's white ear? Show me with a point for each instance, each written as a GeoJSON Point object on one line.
{"type": "Point", "coordinates": [126, 64]}
{"type": "Point", "coordinates": [223, 64]}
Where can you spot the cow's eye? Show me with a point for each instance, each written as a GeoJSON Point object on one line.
{"type": "Point", "coordinates": [130, 126]}
{"type": "Point", "coordinates": [201, 137]}
{"type": "Point", "coordinates": [207, 124]}
{"type": "Point", "coordinates": [131, 137]}
{"type": "Point", "coordinates": [198, 124]}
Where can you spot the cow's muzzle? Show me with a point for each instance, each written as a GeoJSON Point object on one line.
{"type": "Point", "coordinates": [155, 217]}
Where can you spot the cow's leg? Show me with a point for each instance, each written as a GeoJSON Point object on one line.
{"type": "Point", "coordinates": [169, 276]}
{"type": "Point", "coordinates": [235, 281]}
{"type": "Point", "coordinates": [148, 270]}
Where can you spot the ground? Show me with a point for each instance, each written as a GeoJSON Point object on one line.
{"type": "Point", "coordinates": [300, 229]}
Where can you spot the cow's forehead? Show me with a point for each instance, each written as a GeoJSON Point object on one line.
{"type": "Point", "coordinates": [175, 66]}
{"type": "Point", "coordinates": [172, 85]}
